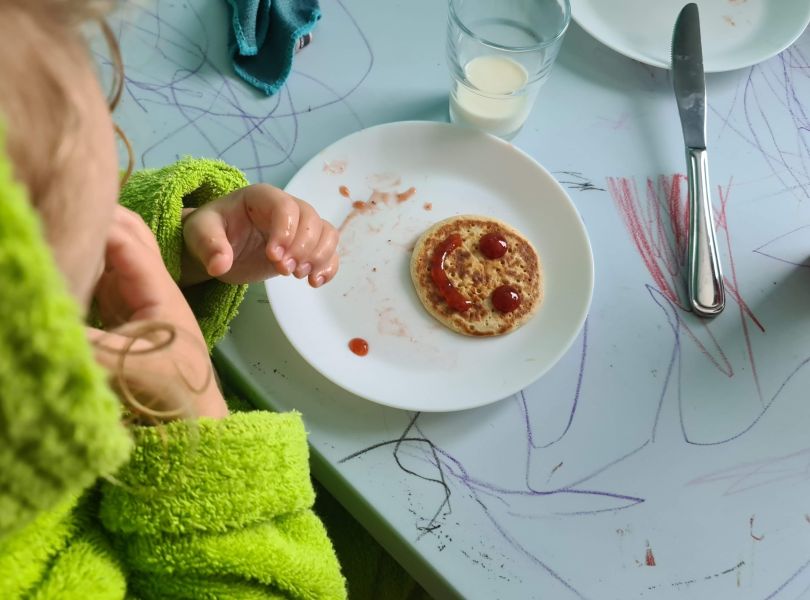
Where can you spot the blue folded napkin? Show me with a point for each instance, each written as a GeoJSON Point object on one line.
{"type": "Point", "coordinates": [264, 36]}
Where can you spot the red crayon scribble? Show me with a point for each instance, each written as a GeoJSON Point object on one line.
{"type": "Point", "coordinates": [647, 224]}
{"type": "Point", "coordinates": [658, 225]}
{"type": "Point", "coordinates": [732, 286]}
{"type": "Point", "coordinates": [649, 558]}
{"type": "Point", "coordinates": [757, 538]}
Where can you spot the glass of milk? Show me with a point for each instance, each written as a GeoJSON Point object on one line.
{"type": "Point", "coordinates": [500, 53]}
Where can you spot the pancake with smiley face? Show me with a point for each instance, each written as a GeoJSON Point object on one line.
{"type": "Point", "coordinates": [477, 275]}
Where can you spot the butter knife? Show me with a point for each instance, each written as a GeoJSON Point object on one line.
{"type": "Point", "coordinates": [704, 277]}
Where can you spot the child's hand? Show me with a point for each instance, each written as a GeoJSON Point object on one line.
{"type": "Point", "coordinates": [135, 284]}
{"type": "Point", "coordinates": [255, 233]}
{"type": "Point", "coordinates": [135, 289]}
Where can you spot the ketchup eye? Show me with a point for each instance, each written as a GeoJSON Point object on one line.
{"type": "Point", "coordinates": [505, 299]}
{"type": "Point", "coordinates": [493, 245]}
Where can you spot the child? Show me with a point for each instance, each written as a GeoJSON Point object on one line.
{"type": "Point", "coordinates": [156, 491]}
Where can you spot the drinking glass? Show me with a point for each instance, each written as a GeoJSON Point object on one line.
{"type": "Point", "coordinates": [500, 52]}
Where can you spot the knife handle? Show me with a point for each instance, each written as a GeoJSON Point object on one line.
{"type": "Point", "coordinates": [705, 278]}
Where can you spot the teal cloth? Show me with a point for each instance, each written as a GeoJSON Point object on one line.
{"type": "Point", "coordinates": [263, 38]}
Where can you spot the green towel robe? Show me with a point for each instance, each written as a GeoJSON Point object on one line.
{"type": "Point", "coordinates": [91, 509]}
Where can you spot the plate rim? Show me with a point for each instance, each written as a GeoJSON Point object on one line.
{"type": "Point", "coordinates": [629, 52]}
{"type": "Point", "coordinates": [581, 318]}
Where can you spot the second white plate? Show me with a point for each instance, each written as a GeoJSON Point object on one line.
{"type": "Point", "coordinates": [734, 33]}
{"type": "Point", "coordinates": [418, 174]}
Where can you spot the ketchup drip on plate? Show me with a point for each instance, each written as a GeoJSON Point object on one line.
{"type": "Point", "coordinates": [406, 195]}
{"type": "Point", "coordinates": [448, 291]}
{"type": "Point", "coordinates": [505, 298]}
{"type": "Point", "coordinates": [359, 346]}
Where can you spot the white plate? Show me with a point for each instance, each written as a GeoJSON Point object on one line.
{"type": "Point", "coordinates": [734, 33]}
{"type": "Point", "coordinates": [415, 363]}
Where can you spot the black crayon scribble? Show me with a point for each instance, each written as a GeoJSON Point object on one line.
{"type": "Point", "coordinates": [578, 182]}
{"type": "Point", "coordinates": [397, 443]}
{"type": "Point", "coordinates": [688, 582]}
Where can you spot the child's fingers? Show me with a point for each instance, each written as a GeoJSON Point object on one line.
{"type": "Point", "coordinates": [327, 246]}
{"type": "Point", "coordinates": [207, 241]}
{"type": "Point", "coordinates": [325, 274]}
{"type": "Point", "coordinates": [275, 214]}
{"type": "Point", "coordinates": [307, 236]}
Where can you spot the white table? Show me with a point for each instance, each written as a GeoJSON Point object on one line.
{"type": "Point", "coordinates": [659, 438]}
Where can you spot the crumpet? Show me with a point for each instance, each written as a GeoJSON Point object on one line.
{"type": "Point", "coordinates": [477, 275]}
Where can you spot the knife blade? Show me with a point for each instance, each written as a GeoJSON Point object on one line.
{"type": "Point", "coordinates": [704, 275]}
{"type": "Point", "coordinates": [688, 78]}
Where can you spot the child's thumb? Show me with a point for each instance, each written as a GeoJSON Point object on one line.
{"type": "Point", "coordinates": [207, 241]}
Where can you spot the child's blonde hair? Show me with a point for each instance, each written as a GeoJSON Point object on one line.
{"type": "Point", "coordinates": [41, 117]}
{"type": "Point", "coordinates": [39, 108]}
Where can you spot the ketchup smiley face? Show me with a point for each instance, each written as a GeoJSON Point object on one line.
{"type": "Point", "coordinates": [493, 245]}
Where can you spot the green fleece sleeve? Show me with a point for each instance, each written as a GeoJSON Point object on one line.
{"type": "Point", "coordinates": [221, 509]}
{"type": "Point", "coordinates": [159, 196]}
{"type": "Point", "coordinates": [26, 553]}
{"type": "Point", "coordinates": [62, 555]}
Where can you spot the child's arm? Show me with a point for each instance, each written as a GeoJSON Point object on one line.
{"type": "Point", "coordinates": [215, 508]}
{"type": "Point", "coordinates": [159, 196]}
{"type": "Point", "coordinates": [210, 223]}
{"type": "Point", "coordinates": [151, 328]}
